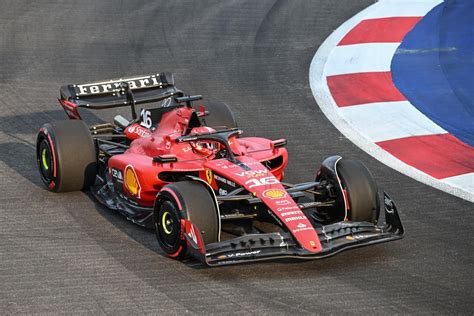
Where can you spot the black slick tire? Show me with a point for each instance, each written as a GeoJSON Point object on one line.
{"type": "Point", "coordinates": [66, 156]}
{"type": "Point", "coordinates": [186, 200]}
{"type": "Point", "coordinates": [361, 190]}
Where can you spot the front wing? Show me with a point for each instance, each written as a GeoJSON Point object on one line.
{"type": "Point", "coordinates": [334, 238]}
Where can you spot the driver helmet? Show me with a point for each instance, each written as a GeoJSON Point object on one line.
{"type": "Point", "coordinates": [205, 147]}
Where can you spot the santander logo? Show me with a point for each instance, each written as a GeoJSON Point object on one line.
{"type": "Point", "coordinates": [135, 131]}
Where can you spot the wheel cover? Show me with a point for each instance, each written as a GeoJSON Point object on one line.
{"type": "Point", "coordinates": [45, 160]}
{"type": "Point", "coordinates": [167, 222]}
{"type": "Point", "coordinates": [168, 226]}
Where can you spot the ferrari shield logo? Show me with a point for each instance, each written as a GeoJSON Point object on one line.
{"type": "Point", "coordinates": [209, 175]}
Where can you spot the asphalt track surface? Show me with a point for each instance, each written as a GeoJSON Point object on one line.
{"type": "Point", "coordinates": [64, 253]}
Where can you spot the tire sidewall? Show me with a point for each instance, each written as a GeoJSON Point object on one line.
{"type": "Point", "coordinates": [75, 156]}
{"type": "Point", "coordinates": [179, 249]}
{"type": "Point", "coordinates": [193, 203]}
{"type": "Point", "coordinates": [361, 189]}
{"type": "Point", "coordinates": [46, 135]}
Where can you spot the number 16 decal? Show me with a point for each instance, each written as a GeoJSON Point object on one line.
{"type": "Point", "coordinates": [262, 181]}
{"type": "Point", "coordinates": [146, 118]}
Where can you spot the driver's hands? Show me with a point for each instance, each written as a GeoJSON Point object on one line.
{"type": "Point", "coordinates": [221, 154]}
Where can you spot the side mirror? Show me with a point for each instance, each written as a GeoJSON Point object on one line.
{"type": "Point", "coordinates": [165, 159]}
{"type": "Point", "coordinates": [278, 143]}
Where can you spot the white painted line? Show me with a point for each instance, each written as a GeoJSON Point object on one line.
{"type": "Point", "coordinates": [393, 8]}
{"type": "Point", "coordinates": [465, 181]}
{"type": "Point", "coordinates": [370, 57]}
{"type": "Point", "coordinates": [318, 83]}
{"type": "Point", "coordinates": [389, 120]}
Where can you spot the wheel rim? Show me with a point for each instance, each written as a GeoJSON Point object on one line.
{"type": "Point", "coordinates": [45, 161]}
{"type": "Point", "coordinates": [168, 226]}
{"type": "Point", "coordinates": [167, 223]}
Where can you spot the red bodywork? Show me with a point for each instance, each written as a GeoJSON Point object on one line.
{"type": "Point", "coordinates": [256, 178]}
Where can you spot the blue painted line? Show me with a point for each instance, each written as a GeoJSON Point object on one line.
{"type": "Point", "coordinates": [434, 67]}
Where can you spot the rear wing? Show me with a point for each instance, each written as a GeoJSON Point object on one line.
{"type": "Point", "coordinates": [118, 92]}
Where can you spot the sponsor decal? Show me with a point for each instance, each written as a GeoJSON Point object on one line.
{"type": "Point", "coordinates": [192, 235]}
{"type": "Point", "coordinates": [224, 180]}
{"type": "Point", "coordinates": [261, 182]}
{"type": "Point", "coordinates": [117, 174]}
{"type": "Point", "coordinates": [146, 118]}
{"type": "Point", "coordinates": [109, 87]}
{"type": "Point", "coordinates": [239, 254]}
{"type": "Point", "coordinates": [209, 176]}
{"type": "Point", "coordinates": [274, 194]}
{"type": "Point", "coordinates": [287, 208]}
{"type": "Point", "coordinates": [166, 102]}
{"type": "Point", "coordinates": [295, 218]}
{"type": "Point", "coordinates": [301, 225]}
{"type": "Point", "coordinates": [131, 181]}
{"type": "Point", "coordinates": [282, 202]}
{"type": "Point", "coordinates": [138, 130]}
{"type": "Point", "coordinates": [290, 213]}
{"type": "Point", "coordinates": [301, 229]}
{"type": "Point", "coordinates": [252, 173]}
{"type": "Point", "coordinates": [187, 148]}
{"type": "Point", "coordinates": [231, 166]}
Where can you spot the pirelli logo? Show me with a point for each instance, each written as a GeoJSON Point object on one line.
{"type": "Point", "coordinates": [112, 86]}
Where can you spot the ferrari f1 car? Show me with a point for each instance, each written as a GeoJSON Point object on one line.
{"type": "Point", "coordinates": [185, 170]}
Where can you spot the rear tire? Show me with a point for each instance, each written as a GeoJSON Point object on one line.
{"type": "Point", "coordinates": [66, 156]}
{"type": "Point", "coordinates": [220, 115]}
{"type": "Point", "coordinates": [184, 200]}
{"type": "Point", "coordinates": [362, 192]}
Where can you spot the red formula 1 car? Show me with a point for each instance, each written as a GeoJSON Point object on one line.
{"type": "Point", "coordinates": [206, 191]}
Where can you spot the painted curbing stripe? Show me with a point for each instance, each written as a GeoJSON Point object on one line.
{"type": "Point", "coordinates": [464, 181]}
{"type": "Point", "coordinates": [439, 156]}
{"type": "Point", "coordinates": [318, 83]}
{"type": "Point", "coordinates": [362, 88]}
{"type": "Point", "coordinates": [389, 120]}
{"type": "Point", "coordinates": [381, 30]}
{"type": "Point", "coordinates": [368, 57]}
{"type": "Point", "coordinates": [400, 8]}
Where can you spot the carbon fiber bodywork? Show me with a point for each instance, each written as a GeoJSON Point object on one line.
{"type": "Point", "coordinates": [334, 238]}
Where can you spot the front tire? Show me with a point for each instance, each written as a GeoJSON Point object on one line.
{"type": "Point", "coordinates": [66, 156]}
{"type": "Point", "coordinates": [351, 185]}
{"type": "Point", "coordinates": [362, 192]}
{"type": "Point", "coordinates": [185, 200]}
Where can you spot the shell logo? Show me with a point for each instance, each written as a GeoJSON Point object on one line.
{"type": "Point", "coordinates": [131, 181]}
{"type": "Point", "coordinates": [274, 194]}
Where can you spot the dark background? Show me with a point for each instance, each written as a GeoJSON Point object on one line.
{"type": "Point", "coordinates": [64, 253]}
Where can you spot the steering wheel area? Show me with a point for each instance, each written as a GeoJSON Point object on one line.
{"type": "Point", "coordinates": [211, 144]}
